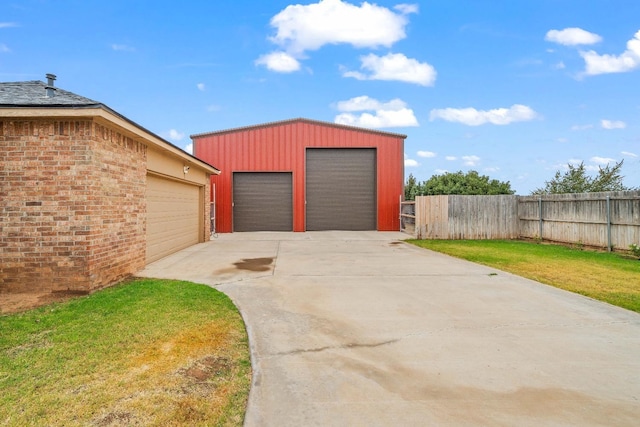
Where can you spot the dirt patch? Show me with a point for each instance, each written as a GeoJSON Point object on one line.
{"type": "Point", "coordinates": [254, 264]}
{"type": "Point", "coordinates": [113, 419]}
{"type": "Point", "coordinates": [207, 368]}
{"type": "Point", "coordinates": [22, 301]}
{"type": "Point", "coordinates": [202, 379]}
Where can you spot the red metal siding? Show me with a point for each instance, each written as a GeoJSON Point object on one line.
{"type": "Point", "coordinates": [281, 147]}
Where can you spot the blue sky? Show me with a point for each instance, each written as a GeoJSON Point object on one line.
{"type": "Point", "coordinates": [513, 89]}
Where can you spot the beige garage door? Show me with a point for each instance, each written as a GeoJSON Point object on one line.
{"type": "Point", "coordinates": [173, 216]}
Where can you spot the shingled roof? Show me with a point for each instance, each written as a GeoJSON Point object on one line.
{"type": "Point", "coordinates": [22, 96]}
{"type": "Point", "coordinates": [34, 94]}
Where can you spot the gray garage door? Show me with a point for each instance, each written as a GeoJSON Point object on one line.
{"type": "Point", "coordinates": [341, 189]}
{"type": "Point", "coordinates": [262, 201]}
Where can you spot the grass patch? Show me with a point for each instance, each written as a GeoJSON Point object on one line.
{"type": "Point", "coordinates": [608, 277]}
{"type": "Point", "coordinates": [147, 352]}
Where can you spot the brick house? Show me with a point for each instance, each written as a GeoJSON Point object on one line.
{"type": "Point", "coordinates": [87, 196]}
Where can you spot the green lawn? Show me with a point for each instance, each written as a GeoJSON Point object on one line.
{"type": "Point", "coordinates": [609, 277]}
{"type": "Point", "coordinates": [147, 352]}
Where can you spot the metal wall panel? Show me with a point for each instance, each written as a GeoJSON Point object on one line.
{"type": "Point", "coordinates": [173, 216]}
{"type": "Point", "coordinates": [262, 201]}
{"type": "Point", "coordinates": [341, 189]}
{"type": "Point", "coordinates": [280, 146]}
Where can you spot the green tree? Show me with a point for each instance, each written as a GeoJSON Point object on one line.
{"type": "Point", "coordinates": [576, 180]}
{"type": "Point", "coordinates": [411, 188]}
{"type": "Point", "coordinates": [469, 183]}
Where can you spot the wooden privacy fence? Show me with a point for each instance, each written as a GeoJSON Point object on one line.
{"type": "Point", "coordinates": [466, 217]}
{"type": "Point", "coordinates": [610, 220]}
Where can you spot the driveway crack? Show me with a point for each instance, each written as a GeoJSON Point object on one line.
{"type": "Point", "coordinates": [275, 259]}
{"type": "Point", "coordinates": [334, 347]}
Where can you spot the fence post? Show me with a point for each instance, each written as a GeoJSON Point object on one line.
{"type": "Point", "coordinates": [400, 211]}
{"type": "Point", "coordinates": [609, 223]}
{"type": "Point", "coordinates": [540, 212]}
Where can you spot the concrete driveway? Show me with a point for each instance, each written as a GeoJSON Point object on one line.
{"type": "Point", "coordinates": [360, 329]}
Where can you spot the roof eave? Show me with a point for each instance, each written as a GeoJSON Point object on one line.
{"type": "Point", "coordinates": [104, 112]}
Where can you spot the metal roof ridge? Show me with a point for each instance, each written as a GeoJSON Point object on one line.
{"type": "Point", "coordinates": [299, 119]}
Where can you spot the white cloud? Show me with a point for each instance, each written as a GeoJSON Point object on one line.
{"type": "Point", "coordinates": [602, 160]}
{"type": "Point", "coordinates": [213, 108]}
{"type": "Point", "coordinates": [189, 148]}
{"type": "Point", "coordinates": [440, 171]}
{"type": "Point", "coordinates": [174, 135]}
{"type": "Point", "coordinates": [4, 48]}
{"type": "Point", "coordinates": [300, 28]}
{"type": "Point", "coordinates": [364, 103]}
{"type": "Point", "coordinates": [8, 24]}
{"type": "Point", "coordinates": [123, 48]}
{"type": "Point", "coordinates": [426, 154]}
{"type": "Point", "coordinates": [470, 160]}
{"type": "Point", "coordinates": [201, 86]}
{"type": "Point", "coordinates": [406, 9]}
{"type": "Point", "coordinates": [451, 158]}
{"type": "Point", "coordinates": [613, 124]}
{"type": "Point", "coordinates": [594, 165]}
{"type": "Point", "coordinates": [560, 66]}
{"type": "Point", "coordinates": [572, 37]}
{"type": "Point", "coordinates": [410, 163]}
{"type": "Point", "coordinates": [581, 127]}
{"type": "Point", "coordinates": [604, 64]}
{"type": "Point", "coordinates": [280, 62]}
{"type": "Point", "coordinates": [394, 66]}
{"type": "Point", "coordinates": [562, 140]}
{"type": "Point", "coordinates": [629, 154]}
{"type": "Point", "coordinates": [491, 169]}
{"type": "Point", "coordinates": [381, 119]}
{"type": "Point", "coordinates": [473, 117]}
{"type": "Point", "coordinates": [385, 114]}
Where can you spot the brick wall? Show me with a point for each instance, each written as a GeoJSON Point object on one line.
{"type": "Point", "coordinates": [72, 213]}
{"type": "Point", "coordinates": [117, 207]}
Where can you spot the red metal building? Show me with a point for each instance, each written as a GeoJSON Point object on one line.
{"type": "Point", "coordinates": [300, 174]}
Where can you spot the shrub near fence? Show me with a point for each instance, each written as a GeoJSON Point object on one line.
{"type": "Point", "coordinates": [607, 220]}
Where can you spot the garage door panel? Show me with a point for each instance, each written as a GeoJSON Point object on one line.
{"type": "Point", "coordinates": [173, 216]}
{"type": "Point", "coordinates": [262, 201]}
{"type": "Point", "coordinates": [341, 189]}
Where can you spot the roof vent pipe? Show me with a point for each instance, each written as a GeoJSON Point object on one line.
{"type": "Point", "coordinates": [51, 90]}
